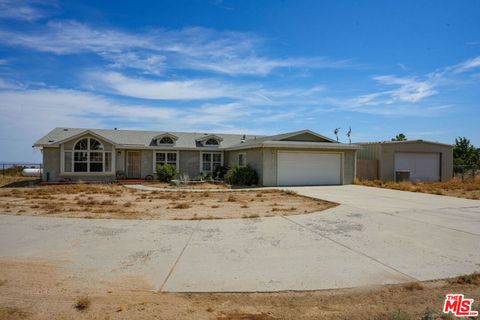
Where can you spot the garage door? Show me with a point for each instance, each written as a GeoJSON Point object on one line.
{"type": "Point", "coordinates": [422, 166]}
{"type": "Point", "coordinates": [308, 168]}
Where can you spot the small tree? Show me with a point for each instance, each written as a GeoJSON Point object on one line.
{"type": "Point", "coordinates": [166, 172]}
{"type": "Point", "coordinates": [400, 137]}
{"type": "Point", "coordinates": [464, 153]}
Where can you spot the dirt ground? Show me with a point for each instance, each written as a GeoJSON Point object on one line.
{"type": "Point", "coordinates": [468, 189]}
{"type": "Point", "coordinates": [114, 201]}
{"type": "Point", "coordinates": [204, 186]}
{"type": "Point", "coordinates": [32, 289]}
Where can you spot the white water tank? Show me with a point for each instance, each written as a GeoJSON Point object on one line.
{"type": "Point", "coordinates": [31, 172]}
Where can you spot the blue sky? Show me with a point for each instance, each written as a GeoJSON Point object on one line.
{"type": "Point", "coordinates": [262, 67]}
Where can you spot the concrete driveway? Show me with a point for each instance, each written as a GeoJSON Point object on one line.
{"type": "Point", "coordinates": [376, 236]}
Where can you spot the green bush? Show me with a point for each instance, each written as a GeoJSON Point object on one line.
{"type": "Point", "coordinates": [166, 172]}
{"type": "Point", "coordinates": [219, 172]}
{"type": "Point", "coordinates": [242, 176]}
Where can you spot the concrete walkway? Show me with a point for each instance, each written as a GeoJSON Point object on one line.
{"type": "Point", "coordinates": [376, 236]}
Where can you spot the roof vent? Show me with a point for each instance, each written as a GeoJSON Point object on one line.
{"type": "Point", "coordinates": [65, 129]}
{"type": "Point", "coordinates": [114, 128]}
{"type": "Point", "coordinates": [50, 141]}
{"type": "Point", "coordinates": [243, 139]}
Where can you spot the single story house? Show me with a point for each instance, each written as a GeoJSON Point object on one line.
{"type": "Point", "coordinates": [294, 158]}
{"type": "Point", "coordinates": [424, 160]}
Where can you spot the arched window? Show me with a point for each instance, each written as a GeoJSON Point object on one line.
{"type": "Point", "coordinates": [165, 140]}
{"type": "Point", "coordinates": [88, 156]}
{"type": "Point", "coordinates": [211, 142]}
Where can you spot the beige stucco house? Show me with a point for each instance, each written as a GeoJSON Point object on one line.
{"type": "Point", "coordinates": [294, 158]}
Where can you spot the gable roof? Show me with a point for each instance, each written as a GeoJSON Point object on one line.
{"type": "Point", "coordinates": [134, 138]}
{"type": "Point", "coordinates": [189, 140]}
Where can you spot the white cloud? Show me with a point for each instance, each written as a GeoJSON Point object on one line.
{"type": "Point", "coordinates": [26, 10]}
{"type": "Point", "coordinates": [467, 65]}
{"type": "Point", "coordinates": [226, 52]}
{"type": "Point", "coordinates": [164, 89]}
{"type": "Point", "coordinates": [409, 90]}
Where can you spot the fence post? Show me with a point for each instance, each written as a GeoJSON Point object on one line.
{"type": "Point", "coordinates": [3, 168]}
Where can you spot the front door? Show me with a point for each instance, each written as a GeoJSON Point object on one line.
{"type": "Point", "coordinates": [133, 164]}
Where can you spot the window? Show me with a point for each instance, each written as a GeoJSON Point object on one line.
{"type": "Point", "coordinates": [211, 142]}
{"type": "Point", "coordinates": [241, 159]}
{"type": "Point", "coordinates": [88, 156]}
{"type": "Point", "coordinates": [166, 157]}
{"type": "Point", "coordinates": [165, 140]}
{"type": "Point", "coordinates": [211, 160]}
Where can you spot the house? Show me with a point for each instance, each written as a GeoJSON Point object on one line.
{"type": "Point", "coordinates": [423, 160]}
{"type": "Point", "coordinates": [294, 158]}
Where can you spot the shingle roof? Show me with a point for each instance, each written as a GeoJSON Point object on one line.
{"type": "Point", "coordinates": [187, 140]}
{"type": "Point", "coordinates": [138, 137]}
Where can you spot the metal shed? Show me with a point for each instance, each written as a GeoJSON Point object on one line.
{"type": "Point", "coordinates": [422, 160]}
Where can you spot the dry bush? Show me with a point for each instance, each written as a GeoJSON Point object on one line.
{"type": "Point", "coordinates": [127, 204]}
{"type": "Point", "coordinates": [413, 286]}
{"type": "Point", "coordinates": [215, 206]}
{"type": "Point", "coordinates": [244, 206]}
{"type": "Point", "coordinates": [473, 278]}
{"type": "Point", "coordinates": [107, 202]}
{"type": "Point", "coordinates": [181, 205]}
{"type": "Point", "coordinates": [290, 192]}
{"type": "Point", "coordinates": [231, 198]}
{"type": "Point", "coordinates": [82, 303]}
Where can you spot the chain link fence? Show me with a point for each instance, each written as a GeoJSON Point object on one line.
{"type": "Point", "coordinates": [466, 172]}
{"type": "Point", "coordinates": [16, 169]}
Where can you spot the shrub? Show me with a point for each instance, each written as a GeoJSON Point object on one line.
{"type": "Point", "coordinates": [242, 176]}
{"type": "Point", "coordinates": [166, 172]}
{"type": "Point", "coordinates": [219, 172]}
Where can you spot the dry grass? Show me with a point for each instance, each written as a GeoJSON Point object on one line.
{"type": "Point", "coordinates": [114, 201]}
{"type": "Point", "coordinates": [195, 186]}
{"type": "Point", "coordinates": [82, 303]}
{"type": "Point", "coordinates": [469, 189]}
{"type": "Point", "coordinates": [36, 290]}
{"type": "Point", "coordinates": [6, 180]}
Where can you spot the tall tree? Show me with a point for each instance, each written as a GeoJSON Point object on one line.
{"type": "Point", "coordinates": [400, 137]}
{"type": "Point", "coordinates": [464, 153]}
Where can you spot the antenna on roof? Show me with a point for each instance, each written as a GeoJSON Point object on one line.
{"type": "Point", "coordinates": [243, 138]}
{"type": "Point", "coordinates": [335, 132]}
{"type": "Point", "coordinates": [349, 134]}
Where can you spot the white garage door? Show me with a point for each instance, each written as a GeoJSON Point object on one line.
{"type": "Point", "coordinates": [422, 166]}
{"type": "Point", "coordinates": [309, 168]}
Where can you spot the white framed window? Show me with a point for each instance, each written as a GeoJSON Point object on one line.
{"type": "Point", "coordinates": [165, 140]}
{"type": "Point", "coordinates": [242, 160]}
{"type": "Point", "coordinates": [166, 157]}
{"type": "Point", "coordinates": [210, 161]}
{"type": "Point", "coordinates": [163, 157]}
{"type": "Point", "coordinates": [88, 156]}
{"type": "Point", "coordinates": [212, 142]}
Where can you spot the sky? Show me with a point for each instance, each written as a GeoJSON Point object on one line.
{"type": "Point", "coordinates": [247, 67]}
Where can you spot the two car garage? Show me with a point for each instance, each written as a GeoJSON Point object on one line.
{"type": "Point", "coordinates": [309, 168]}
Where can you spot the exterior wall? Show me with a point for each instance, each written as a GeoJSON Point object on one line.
{"type": "Point", "coordinates": [387, 160]}
{"type": "Point", "coordinates": [51, 164]}
{"type": "Point", "coordinates": [120, 160]}
{"type": "Point", "coordinates": [370, 152]}
{"type": "Point", "coordinates": [367, 169]}
{"type": "Point", "coordinates": [254, 157]}
{"type": "Point", "coordinates": [269, 177]}
{"type": "Point", "coordinates": [189, 163]}
{"type": "Point", "coordinates": [146, 163]}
